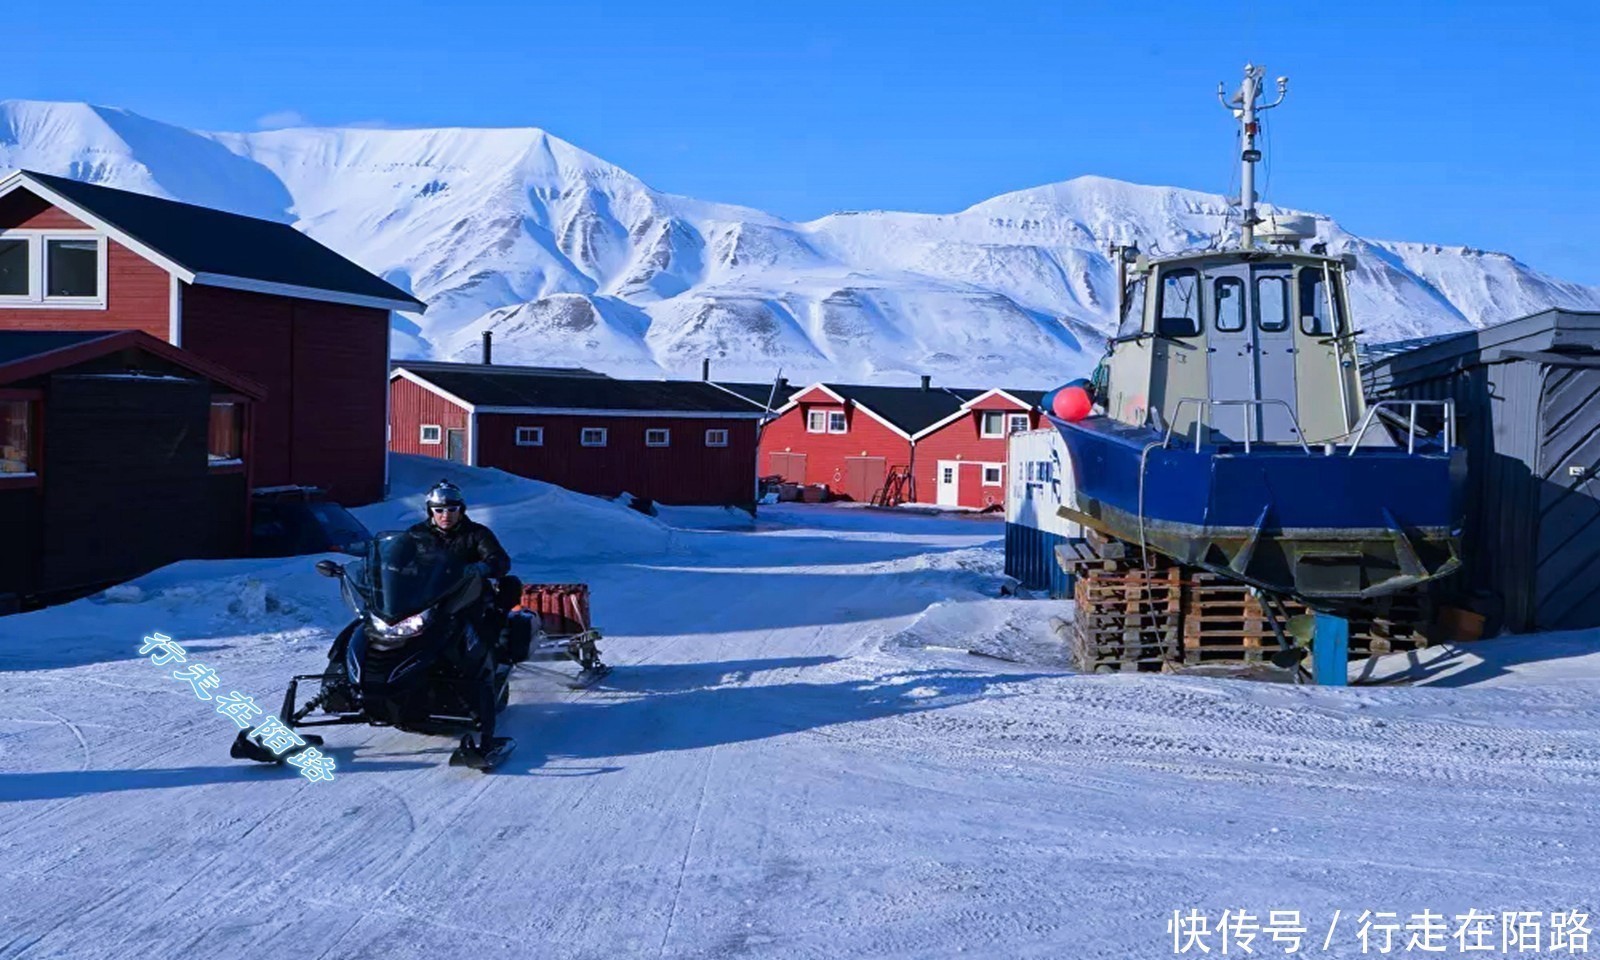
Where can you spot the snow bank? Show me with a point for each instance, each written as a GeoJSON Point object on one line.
{"type": "Point", "coordinates": [537, 522]}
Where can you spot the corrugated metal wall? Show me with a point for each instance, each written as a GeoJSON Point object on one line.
{"type": "Point", "coordinates": [1568, 589]}
{"type": "Point", "coordinates": [1039, 480]}
{"type": "Point", "coordinates": [1531, 534]}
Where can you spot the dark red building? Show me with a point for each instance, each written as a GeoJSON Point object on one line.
{"type": "Point", "coordinates": [672, 441]}
{"type": "Point", "coordinates": [119, 453]}
{"type": "Point", "coordinates": [948, 443]}
{"type": "Point", "coordinates": [255, 296]}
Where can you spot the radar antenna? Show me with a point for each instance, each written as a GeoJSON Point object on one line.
{"type": "Point", "coordinates": [1245, 108]}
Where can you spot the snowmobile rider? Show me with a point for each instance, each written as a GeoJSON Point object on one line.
{"type": "Point", "coordinates": [465, 539]}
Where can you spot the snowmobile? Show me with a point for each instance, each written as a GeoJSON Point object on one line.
{"type": "Point", "coordinates": [404, 660]}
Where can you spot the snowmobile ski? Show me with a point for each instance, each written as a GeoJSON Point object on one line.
{"type": "Point", "coordinates": [246, 749]}
{"type": "Point", "coordinates": [588, 678]}
{"type": "Point", "coordinates": [468, 754]}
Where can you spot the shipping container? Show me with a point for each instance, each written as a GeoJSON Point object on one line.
{"type": "Point", "coordinates": [1040, 483]}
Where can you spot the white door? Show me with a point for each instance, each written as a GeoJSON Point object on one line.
{"type": "Point", "coordinates": [949, 476]}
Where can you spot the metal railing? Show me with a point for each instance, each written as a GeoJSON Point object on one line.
{"type": "Point", "coordinates": [1449, 407]}
{"type": "Point", "coordinates": [1206, 404]}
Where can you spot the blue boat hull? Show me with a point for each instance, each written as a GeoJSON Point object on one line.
{"type": "Point", "coordinates": [1315, 525]}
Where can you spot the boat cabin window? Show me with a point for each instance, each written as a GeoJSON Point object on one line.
{"type": "Point", "coordinates": [1178, 313]}
{"type": "Point", "coordinates": [1272, 303]}
{"type": "Point", "coordinates": [1132, 311]}
{"type": "Point", "coordinates": [1229, 293]}
{"type": "Point", "coordinates": [1314, 317]}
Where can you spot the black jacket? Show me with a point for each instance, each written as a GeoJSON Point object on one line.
{"type": "Point", "coordinates": [470, 542]}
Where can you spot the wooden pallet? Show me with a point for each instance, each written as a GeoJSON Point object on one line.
{"type": "Point", "coordinates": [1128, 618]}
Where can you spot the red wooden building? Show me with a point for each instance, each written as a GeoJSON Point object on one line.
{"type": "Point", "coordinates": [255, 296]}
{"type": "Point", "coordinates": [119, 453]}
{"type": "Point", "coordinates": [922, 444]}
{"type": "Point", "coordinates": [672, 441]}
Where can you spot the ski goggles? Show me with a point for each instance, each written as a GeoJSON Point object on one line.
{"type": "Point", "coordinates": [452, 508]}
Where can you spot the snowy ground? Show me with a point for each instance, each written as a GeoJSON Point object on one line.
{"type": "Point", "coordinates": [794, 758]}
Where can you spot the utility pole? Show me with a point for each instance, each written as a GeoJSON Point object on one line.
{"type": "Point", "coordinates": [1245, 108]}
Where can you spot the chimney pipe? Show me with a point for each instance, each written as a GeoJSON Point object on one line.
{"type": "Point", "coordinates": [488, 348]}
{"type": "Point", "coordinates": [705, 369]}
{"type": "Point", "coordinates": [927, 382]}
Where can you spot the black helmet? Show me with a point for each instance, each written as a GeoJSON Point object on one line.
{"type": "Point", "coordinates": [444, 494]}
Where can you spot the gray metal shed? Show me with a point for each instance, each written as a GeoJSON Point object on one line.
{"type": "Point", "coordinates": [1527, 397]}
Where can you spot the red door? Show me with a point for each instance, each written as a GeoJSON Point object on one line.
{"type": "Point", "coordinates": [863, 477]}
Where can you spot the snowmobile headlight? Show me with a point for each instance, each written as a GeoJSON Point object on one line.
{"type": "Point", "coordinates": [403, 630]}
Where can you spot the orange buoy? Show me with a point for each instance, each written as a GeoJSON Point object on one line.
{"type": "Point", "coordinates": [1071, 403]}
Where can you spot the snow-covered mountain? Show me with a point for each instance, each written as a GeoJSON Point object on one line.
{"type": "Point", "coordinates": [570, 259]}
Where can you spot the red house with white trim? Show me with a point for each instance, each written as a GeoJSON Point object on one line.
{"type": "Point", "coordinates": [256, 297]}
{"type": "Point", "coordinates": [922, 444]}
{"type": "Point", "coordinates": [682, 442]}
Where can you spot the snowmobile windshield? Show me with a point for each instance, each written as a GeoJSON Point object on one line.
{"type": "Point", "coordinates": [404, 574]}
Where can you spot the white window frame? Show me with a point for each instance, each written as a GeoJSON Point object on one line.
{"type": "Point", "coordinates": [813, 425]}
{"type": "Point", "coordinates": [38, 244]}
{"type": "Point", "coordinates": [438, 434]}
{"type": "Point", "coordinates": [844, 424]}
{"type": "Point", "coordinates": [983, 424]}
{"type": "Point", "coordinates": [583, 437]}
{"type": "Point", "coordinates": [999, 475]}
{"type": "Point", "coordinates": [536, 441]}
{"type": "Point", "coordinates": [721, 438]}
{"type": "Point", "coordinates": [664, 441]}
{"type": "Point", "coordinates": [1012, 419]}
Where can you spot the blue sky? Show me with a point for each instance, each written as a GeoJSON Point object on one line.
{"type": "Point", "coordinates": [1459, 123]}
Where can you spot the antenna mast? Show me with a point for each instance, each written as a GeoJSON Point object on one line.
{"type": "Point", "coordinates": [1245, 108]}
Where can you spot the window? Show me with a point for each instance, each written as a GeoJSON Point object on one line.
{"type": "Point", "coordinates": [836, 422]}
{"type": "Point", "coordinates": [530, 436]}
{"type": "Point", "coordinates": [991, 476]}
{"type": "Point", "coordinates": [1314, 305]}
{"type": "Point", "coordinates": [1229, 294]}
{"type": "Point", "coordinates": [947, 474]}
{"type": "Point", "coordinates": [816, 421]}
{"type": "Point", "coordinates": [72, 268]}
{"type": "Point", "coordinates": [716, 438]}
{"type": "Point", "coordinates": [593, 437]}
{"type": "Point", "coordinates": [40, 268]}
{"type": "Point", "coordinates": [16, 437]}
{"type": "Point", "coordinates": [225, 443]}
{"type": "Point", "coordinates": [430, 433]}
{"type": "Point", "coordinates": [1016, 423]}
{"type": "Point", "coordinates": [1132, 311]}
{"type": "Point", "coordinates": [1178, 312]}
{"type": "Point", "coordinates": [992, 423]}
{"type": "Point", "coordinates": [657, 437]}
{"type": "Point", "coordinates": [14, 272]}
{"type": "Point", "coordinates": [1272, 304]}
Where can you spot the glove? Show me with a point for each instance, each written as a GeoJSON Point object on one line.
{"type": "Point", "coordinates": [478, 570]}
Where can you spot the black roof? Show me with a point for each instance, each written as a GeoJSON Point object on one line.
{"type": "Point", "coordinates": [21, 344]}
{"type": "Point", "coordinates": [914, 409]}
{"type": "Point", "coordinates": [451, 366]}
{"type": "Point", "coordinates": [203, 240]}
{"type": "Point", "coordinates": [760, 393]}
{"type": "Point", "coordinates": [535, 387]}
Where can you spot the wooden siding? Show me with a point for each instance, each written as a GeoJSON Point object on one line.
{"type": "Point", "coordinates": [20, 523]}
{"type": "Point", "coordinates": [22, 209]}
{"type": "Point", "coordinates": [138, 297]}
{"type": "Point", "coordinates": [323, 366]}
{"type": "Point", "coordinates": [127, 488]}
{"type": "Point", "coordinates": [411, 406]}
{"type": "Point", "coordinates": [685, 472]}
{"type": "Point", "coordinates": [826, 454]}
{"type": "Point", "coordinates": [961, 439]}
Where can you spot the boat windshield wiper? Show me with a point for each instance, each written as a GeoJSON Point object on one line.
{"type": "Point", "coordinates": [1329, 341]}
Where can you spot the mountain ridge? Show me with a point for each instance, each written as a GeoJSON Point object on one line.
{"type": "Point", "coordinates": [568, 258]}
